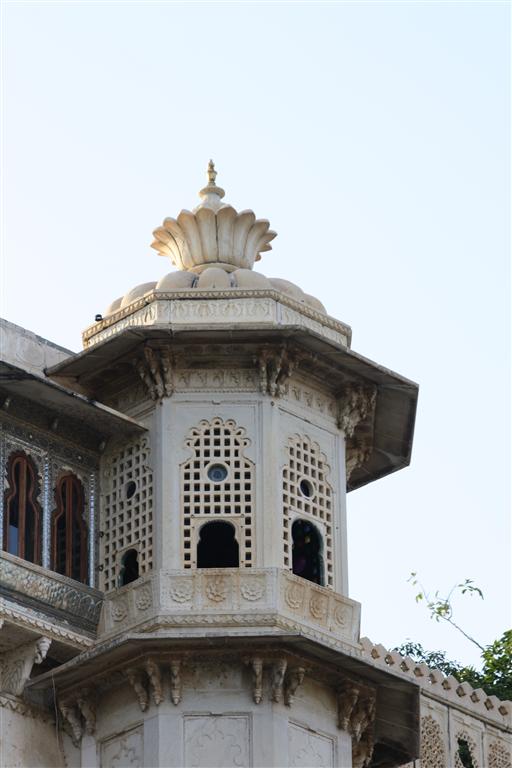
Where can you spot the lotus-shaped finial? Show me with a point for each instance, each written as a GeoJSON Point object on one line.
{"type": "Point", "coordinates": [213, 234]}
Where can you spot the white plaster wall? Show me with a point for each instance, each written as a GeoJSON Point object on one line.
{"type": "Point", "coordinates": [27, 742]}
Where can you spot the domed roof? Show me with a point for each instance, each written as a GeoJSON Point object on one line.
{"type": "Point", "coordinates": [214, 248]}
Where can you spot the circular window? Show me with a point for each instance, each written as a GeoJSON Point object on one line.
{"type": "Point", "coordinates": [217, 473]}
{"type": "Point", "coordinates": [306, 488]}
{"type": "Point", "coordinates": [130, 489]}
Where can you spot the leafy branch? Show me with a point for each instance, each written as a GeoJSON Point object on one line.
{"type": "Point", "coordinates": [441, 607]}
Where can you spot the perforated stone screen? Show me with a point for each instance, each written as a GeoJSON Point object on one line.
{"type": "Point", "coordinates": [307, 495]}
{"type": "Point", "coordinates": [217, 483]}
{"type": "Point", "coordinates": [126, 519]}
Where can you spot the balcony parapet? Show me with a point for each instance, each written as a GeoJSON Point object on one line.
{"type": "Point", "coordinates": [50, 594]}
{"type": "Point", "coordinates": [236, 600]}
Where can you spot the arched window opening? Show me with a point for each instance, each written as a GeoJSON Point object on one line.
{"type": "Point", "coordinates": [22, 519]}
{"type": "Point", "coordinates": [307, 559]}
{"type": "Point", "coordinates": [217, 546]}
{"type": "Point", "coordinates": [465, 756]}
{"type": "Point", "coordinates": [69, 531]}
{"type": "Point", "coordinates": [129, 567]}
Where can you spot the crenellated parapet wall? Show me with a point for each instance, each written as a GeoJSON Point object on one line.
{"type": "Point", "coordinates": [452, 714]}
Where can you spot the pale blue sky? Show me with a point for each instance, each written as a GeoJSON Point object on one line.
{"type": "Point", "coordinates": [375, 137]}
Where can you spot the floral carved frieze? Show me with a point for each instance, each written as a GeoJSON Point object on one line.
{"type": "Point", "coordinates": [82, 602]}
{"type": "Point", "coordinates": [244, 597]}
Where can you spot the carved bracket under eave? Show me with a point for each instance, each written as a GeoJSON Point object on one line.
{"type": "Point", "coordinates": [79, 714]}
{"type": "Point", "coordinates": [156, 370]}
{"type": "Point", "coordinates": [284, 680]}
{"type": "Point", "coordinates": [16, 665]}
{"type": "Point", "coordinates": [275, 368]}
{"type": "Point", "coordinates": [356, 715]}
{"type": "Point", "coordinates": [355, 403]}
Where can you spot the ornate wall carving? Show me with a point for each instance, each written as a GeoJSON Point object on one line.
{"type": "Point", "coordinates": [499, 756]}
{"type": "Point", "coordinates": [217, 741]}
{"type": "Point", "coordinates": [433, 753]}
{"type": "Point", "coordinates": [77, 600]}
{"type": "Point", "coordinates": [307, 749]}
{"type": "Point", "coordinates": [124, 750]}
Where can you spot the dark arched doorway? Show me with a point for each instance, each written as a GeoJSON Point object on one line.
{"type": "Point", "coordinates": [307, 552]}
{"type": "Point", "coordinates": [217, 546]}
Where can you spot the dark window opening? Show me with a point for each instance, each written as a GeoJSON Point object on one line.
{"type": "Point", "coordinates": [307, 552]}
{"type": "Point", "coordinates": [69, 531]}
{"type": "Point", "coordinates": [465, 753]}
{"type": "Point", "coordinates": [130, 489]}
{"type": "Point", "coordinates": [306, 488]}
{"type": "Point", "coordinates": [129, 567]}
{"type": "Point", "coordinates": [22, 523]}
{"type": "Point", "coordinates": [217, 546]}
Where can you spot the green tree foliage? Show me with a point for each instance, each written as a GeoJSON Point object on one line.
{"type": "Point", "coordinates": [495, 676]}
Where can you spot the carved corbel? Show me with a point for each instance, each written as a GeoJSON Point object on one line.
{"type": "Point", "coordinates": [356, 714]}
{"type": "Point", "coordinates": [275, 368]}
{"type": "Point", "coordinates": [155, 369]}
{"type": "Point", "coordinates": [176, 684]}
{"type": "Point", "coordinates": [357, 453]}
{"type": "Point", "coordinates": [354, 403]}
{"type": "Point", "coordinates": [363, 714]}
{"type": "Point", "coordinates": [257, 679]}
{"type": "Point", "coordinates": [16, 665]}
{"type": "Point", "coordinates": [71, 716]}
{"type": "Point", "coordinates": [347, 696]}
{"type": "Point", "coordinates": [155, 679]}
{"type": "Point", "coordinates": [278, 673]}
{"type": "Point", "coordinates": [293, 681]}
{"type": "Point", "coordinates": [136, 679]}
{"type": "Point", "coordinates": [87, 705]}
{"type": "Point", "coordinates": [362, 751]}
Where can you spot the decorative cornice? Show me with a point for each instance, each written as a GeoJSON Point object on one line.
{"type": "Point", "coordinates": [197, 295]}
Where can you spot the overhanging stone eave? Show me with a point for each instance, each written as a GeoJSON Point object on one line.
{"type": "Point", "coordinates": [103, 354]}
{"type": "Point", "coordinates": [59, 400]}
{"type": "Point", "coordinates": [397, 718]}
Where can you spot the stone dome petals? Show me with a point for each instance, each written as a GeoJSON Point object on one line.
{"type": "Point", "coordinates": [292, 290]}
{"type": "Point", "coordinates": [217, 278]}
{"type": "Point", "coordinates": [176, 281]}
{"type": "Point", "coordinates": [247, 279]}
{"type": "Point", "coordinates": [135, 293]}
{"type": "Point", "coordinates": [224, 237]}
{"type": "Point", "coordinates": [213, 277]}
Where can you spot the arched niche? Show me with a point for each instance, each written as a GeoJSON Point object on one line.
{"type": "Point", "coordinates": [217, 546]}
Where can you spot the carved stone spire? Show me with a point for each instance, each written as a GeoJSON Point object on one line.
{"type": "Point", "coordinates": [211, 194]}
{"type": "Point", "coordinates": [213, 234]}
